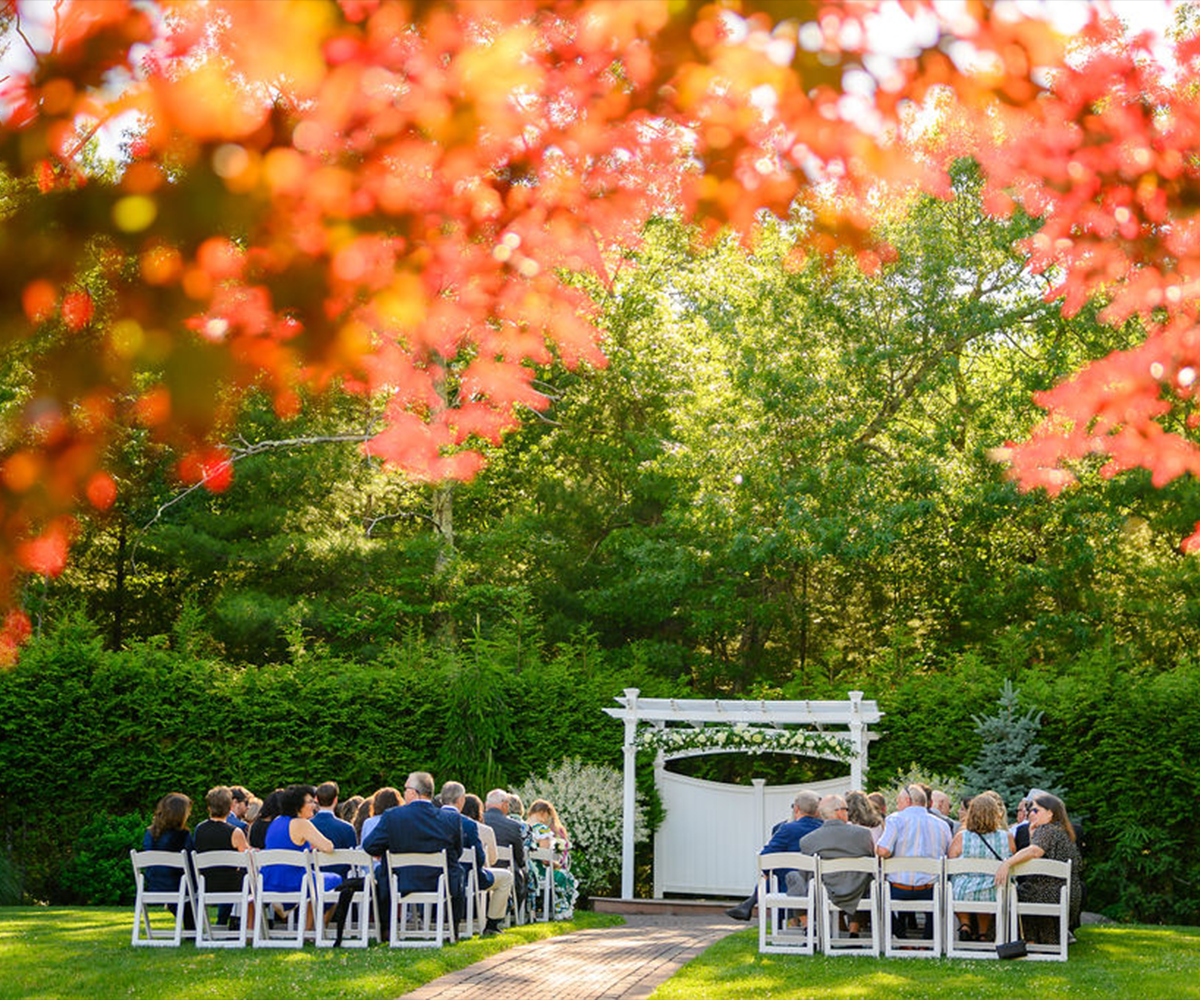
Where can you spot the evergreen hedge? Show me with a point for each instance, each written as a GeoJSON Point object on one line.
{"type": "Point", "coordinates": [87, 734]}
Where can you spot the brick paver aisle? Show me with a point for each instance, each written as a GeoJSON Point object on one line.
{"type": "Point", "coordinates": [607, 962]}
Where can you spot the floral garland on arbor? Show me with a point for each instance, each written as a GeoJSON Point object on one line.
{"type": "Point", "coordinates": [751, 739]}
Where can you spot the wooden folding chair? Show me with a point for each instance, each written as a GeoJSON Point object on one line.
{"type": "Point", "coordinates": [476, 915]}
{"type": "Point", "coordinates": [995, 908]}
{"type": "Point", "coordinates": [297, 902]}
{"type": "Point", "coordinates": [545, 912]}
{"type": "Point", "coordinates": [775, 906]}
{"type": "Point", "coordinates": [1018, 908]}
{"type": "Point", "coordinates": [518, 909]}
{"type": "Point", "coordinates": [430, 913]}
{"type": "Point", "coordinates": [182, 899]}
{"type": "Point", "coordinates": [207, 936]}
{"type": "Point", "coordinates": [832, 941]}
{"type": "Point", "coordinates": [364, 904]}
{"type": "Point", "coordinates": [894, 947]}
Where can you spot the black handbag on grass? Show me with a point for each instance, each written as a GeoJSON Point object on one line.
{"type": "Point", "coordinates": [1012, 949]}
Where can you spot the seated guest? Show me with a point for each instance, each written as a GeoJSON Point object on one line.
{"type": "Point", "coordinates": [168, 831]}
{"type": "Point", "coordinates": [547, 830]}
{"type": "Point", "coordinates": [253, 808]}
{"type": "Point", "coordinates": [939, 805]}
{"type": "Point", "coordinates": [361, 815]}
{"type": "Point", "coordinates": [516, 812]}
{"type": "Point", "coordinates": [983, 835]}
{"type": "Point", "coordinates": [880, 804]}
{"type": "Point", "coordinates": [472, 808]}
{"type": "Point", "coordinates": [417, 827]}
{"type": "Point", "coordinates": [1021, 828]}
{"type": "Point", "coordinates": [268, 812]}
{"type": "Point", "coordinates": [508, 833]}
{"type": "Point", "coordinates": [381, 802]}
{"type": "Point", "coordinates": [861, 812]}
{"type": "Point", "coordinates": [497, 881]}
{"type": "Point", "coordinates": [239, 802]}
{"type": "Point", "coordinates": [837, 838]}
{"type": "Point", "coordinates": [348, 809]}
{"type": "Point", "coordinates": [1051, 836]}
{"type": "Point", "coordinates": [339, 831]}
{"type": "Point", "coordinates": [784, 838]}
{"type": "Point", "coordinates": [912, 832]}
{"type": "Point", "coordinates": [217, 834]}
{"type": "Point", "coordinates": [293, 830]}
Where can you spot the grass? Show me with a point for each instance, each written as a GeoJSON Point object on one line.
{"type": "Point", "coordinates": [56, 953]}
{"type": "Point", "coordinates": [1110, 962]}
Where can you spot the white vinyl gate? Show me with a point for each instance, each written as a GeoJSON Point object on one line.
{"type": "Point", "coordinates": [709, 841]}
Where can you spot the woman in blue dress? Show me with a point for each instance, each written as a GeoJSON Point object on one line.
{"type": "Point", "coordinates": [293, 830]}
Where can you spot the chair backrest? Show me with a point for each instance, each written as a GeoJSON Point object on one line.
{"type": "Point", "coordinates": [432, 860]}
{"type": "Point", "coordinates": [158, 859]}
{"type": "Point", "coordinates": [203, 860]}
{"type": "Point", "coordinates": [504, 855]}
{"type": "Point", "coordinates": [542, 854]}
{"type": "Point", "coordinates": [280, 856]}
{"type": "Point", "coordinates": [1043, 866]}
{"type": "Point", "coordinates": [353, 856]}
{"type": "Point", "coordinates": [965, 866]}
{"type": "Point", "coordinates": [787, 859]}
{"type": "Point", "coordinates": [831, 866]}
{"type": "Point", "coordinates": [926, 866]}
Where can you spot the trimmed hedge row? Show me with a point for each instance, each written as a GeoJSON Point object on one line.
{"type": "Point", "coordinates": [89, 735]}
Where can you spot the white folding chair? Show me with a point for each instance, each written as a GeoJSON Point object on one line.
{"type": "Point", "coordinates": [207, 936]}
{"type": "Point", "coordinates": [894, 947]}
{"type": "Point", "coordinates": [297, 901]}
{"type": "Point", "coordinates": [775, 905]}
{"type": "Point", "coordinates": [181, 898]}
{"type": "Point", "coordinates": [1018, 908]}
{"type": "Point", "coordinates": [476, 915]}
{"type": "Point", "coordinates": [545, 911]}
{"type": "Point", "coordinates": [432, 913]}
{"type": "Point", "coordinates": [364, 903]}
{"type": "Point", "coordinates": [993, 908]}
{"type": "Point", "coordinates": [832, 941]}
{"type": "Point", "coordinates": [518, 913]}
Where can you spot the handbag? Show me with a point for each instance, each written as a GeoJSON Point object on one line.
{"type": "Point", "coordinates": [1012, 949]}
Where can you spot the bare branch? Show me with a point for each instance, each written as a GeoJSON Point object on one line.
{"type": "Point", "coordinates": [370, 524]}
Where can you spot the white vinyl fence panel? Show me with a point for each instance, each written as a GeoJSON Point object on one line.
{"type": "Point", "coordinates": [708, 843]}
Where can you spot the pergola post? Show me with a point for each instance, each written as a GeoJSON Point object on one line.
{"type": "Point", "coordinates": [858, 765]}
{"type": "Point", "coordinates": [630, 803]}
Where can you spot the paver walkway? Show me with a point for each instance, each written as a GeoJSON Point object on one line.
{"type": "Point", "coordinates": [606, 962]}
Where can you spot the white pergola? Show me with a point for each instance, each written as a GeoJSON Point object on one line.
{"type": "Point", "coordinates": [847, 721]}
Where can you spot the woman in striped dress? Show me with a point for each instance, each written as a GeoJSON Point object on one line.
{"type": "Point", "coordinates": [983, 835]}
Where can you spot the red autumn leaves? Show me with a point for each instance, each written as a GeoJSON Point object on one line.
{"type": "Point", "coordinates": [385, 197]}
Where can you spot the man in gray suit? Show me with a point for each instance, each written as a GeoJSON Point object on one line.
{"type": "Point", "coordinates": [836, 838]}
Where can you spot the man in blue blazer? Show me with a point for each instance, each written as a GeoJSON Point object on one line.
{"type": "Point", "coordinates": [338, 830]}
{"type": "Point", "coordinates": [417, 827]}
{"type": "Point", "coordinates": [453, 797]}
{"type": "Point", "coordinates": [784, 838]}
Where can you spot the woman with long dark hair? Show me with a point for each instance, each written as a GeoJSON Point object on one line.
{"type": "Point", "coordinates": [1051, 836]}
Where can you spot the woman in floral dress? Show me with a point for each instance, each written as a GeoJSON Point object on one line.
{"type": "Point", "coordinates": [547, 830]}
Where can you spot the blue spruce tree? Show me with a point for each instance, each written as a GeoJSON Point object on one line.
{"type": "Point", "coordinates": [1008, 762]}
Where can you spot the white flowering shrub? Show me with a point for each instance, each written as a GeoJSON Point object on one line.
{"type": "Point", "coordinates": [588, 800]}
{"type": "Point", "coordinates": [751, 739]}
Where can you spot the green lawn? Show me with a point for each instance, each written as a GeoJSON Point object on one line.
{"type": "Point", "coordinates": [1110, 962]}
{"type": "Point", "coordinates": [53, 953]}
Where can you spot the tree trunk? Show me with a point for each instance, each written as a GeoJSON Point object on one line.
{"type": "Point", "coordinates": [118, 613]}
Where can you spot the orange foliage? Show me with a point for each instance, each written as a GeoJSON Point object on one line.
{"type": "Point", "coordinates": [384, 193]}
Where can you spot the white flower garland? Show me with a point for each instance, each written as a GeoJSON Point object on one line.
{"type": "Point", "coordinates": [748, 738]}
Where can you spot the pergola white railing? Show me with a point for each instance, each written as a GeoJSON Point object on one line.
{"type": "Point", "coordinates": [835, 730]}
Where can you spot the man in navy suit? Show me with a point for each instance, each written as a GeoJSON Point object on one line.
{"type": "Point", "coordinates": [784, 838]}
{"type": "Point", "coordinates": [498, 879]}
{"type": "Point", "coordinates": [338, 830]}
{"type": "Point", "coordinates": [417, 827]}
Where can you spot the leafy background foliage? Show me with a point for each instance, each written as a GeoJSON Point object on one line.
{"type": "Point", "coordinates": [780, 486]}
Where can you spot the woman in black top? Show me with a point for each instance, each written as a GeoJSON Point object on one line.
{"type": "Point", "coordinates": [214, 834]}
{"type": "Point", "coordinates": [270, 809]}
